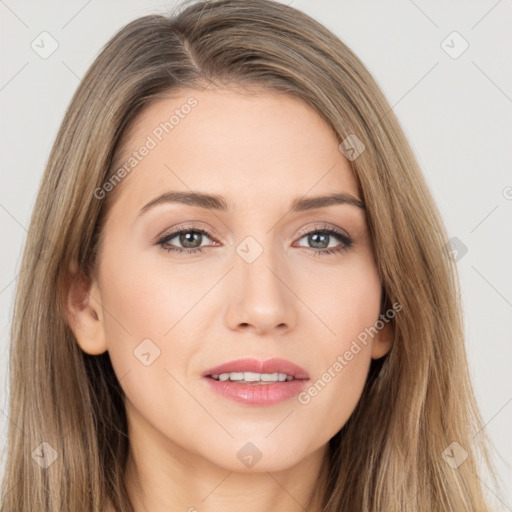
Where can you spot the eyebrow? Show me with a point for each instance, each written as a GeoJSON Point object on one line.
{"type": "Point", "coordinates": [219, 203]}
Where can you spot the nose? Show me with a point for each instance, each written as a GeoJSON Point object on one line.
{"type": "Point", "coordinates": [262, 300]}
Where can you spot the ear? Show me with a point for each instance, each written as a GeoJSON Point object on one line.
{"type": "Point", "coordinates": [84, 312]}
{"type": "Point", "coordinates": [383, 341]}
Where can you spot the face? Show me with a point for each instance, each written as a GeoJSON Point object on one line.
{"type": "Point", "coordinates": [259, 272]}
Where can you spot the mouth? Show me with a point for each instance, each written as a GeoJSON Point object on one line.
{"type": "Point", "coordinates": [253, 378]}
{"type": "Point", "coordinates": [256, 382]}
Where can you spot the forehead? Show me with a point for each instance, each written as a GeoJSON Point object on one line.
{"type": "Point", "coordinates": [248, 146]}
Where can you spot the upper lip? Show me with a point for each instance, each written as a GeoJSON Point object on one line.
{"type": "Point", "coordinates": [253, 365]}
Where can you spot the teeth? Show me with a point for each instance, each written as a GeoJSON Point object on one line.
{"type": "Point", "coordinates": [253, 377]}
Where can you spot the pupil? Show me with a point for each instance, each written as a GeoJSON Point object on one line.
{"type": "Point", "coordinates": [314, 240]}
{"type": "Point", "coordinates": [186, 238]}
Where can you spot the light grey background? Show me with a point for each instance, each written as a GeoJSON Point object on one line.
{"type": "Point", "coordinates": [456, 113]}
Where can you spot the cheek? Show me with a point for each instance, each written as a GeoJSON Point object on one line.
{"type": "Point", "coordinates": [344, 298]}
{"type": "Point", "coordinates": [337, 385]}
{"type": "Point", "coordinates": [147, 300]}
{"type": "Point", "coordinates": [144, 309]}
{"type": "Point", "coordinates": [146, 326]}
{"type": "Point", "coordinates": [335, 391]}
{"type": "Point", "coordinates": [348, 303]}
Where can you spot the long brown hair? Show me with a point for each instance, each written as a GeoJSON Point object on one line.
{"type": "Point", "coordinates": [389, 455]}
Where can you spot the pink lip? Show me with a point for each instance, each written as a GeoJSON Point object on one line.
{"type": "Point", "coordinates": [258, 394]}
{"type": "Point", "coordinates": [253, 365]}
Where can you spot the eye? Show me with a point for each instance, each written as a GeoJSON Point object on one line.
{"type": "Point", "coordinates": [324, 239]}
{"type": "Point", "coordinates": [191, 239]}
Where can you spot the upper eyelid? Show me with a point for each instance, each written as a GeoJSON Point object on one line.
{"type": "Point", "coordinates": [323, 227]}
{"type": "Point", "coordinates": [303, 232]}
{"type": "Point", "coordinates": [176, 232]}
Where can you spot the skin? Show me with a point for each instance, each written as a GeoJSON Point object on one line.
{"type": "Point", "coordinates": [260, 151]}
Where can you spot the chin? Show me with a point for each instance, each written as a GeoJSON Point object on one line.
{"type": "Point", "coordinates": [258, 456]}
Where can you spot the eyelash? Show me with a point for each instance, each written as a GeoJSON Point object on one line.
{"type": "Point", "coordinates": [347, 242]}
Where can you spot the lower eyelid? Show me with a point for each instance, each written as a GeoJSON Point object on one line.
{"type": "Point", "coordinates": [345, 240]}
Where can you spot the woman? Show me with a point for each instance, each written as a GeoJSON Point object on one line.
{"type": "Point", "coordinates": [236, 293]}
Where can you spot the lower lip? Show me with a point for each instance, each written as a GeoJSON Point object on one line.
{"type": "Point", "coordinates": [258, 394]}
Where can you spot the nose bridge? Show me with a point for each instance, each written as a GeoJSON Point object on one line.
{"type": "Point", "coordinates": [259, 264]}
{"type": "Point", "coordinates": [263, 299]}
